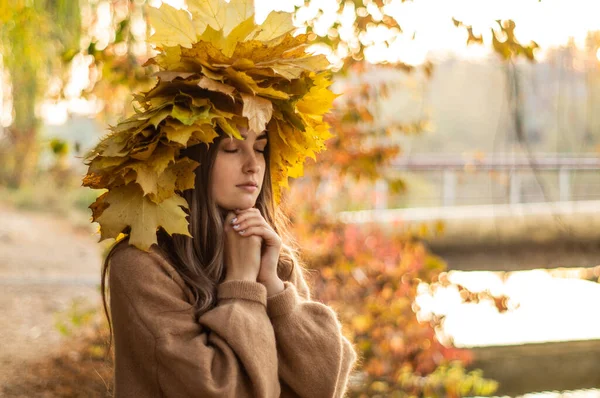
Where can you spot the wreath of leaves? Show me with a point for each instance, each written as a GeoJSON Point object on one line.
{"type": "Point", "coordinates": [218, 70]}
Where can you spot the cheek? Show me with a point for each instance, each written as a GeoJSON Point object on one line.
{"type": "Point", "coordinates": [220, 175]}
{"type": "Point", "coordinates": [263, 166]}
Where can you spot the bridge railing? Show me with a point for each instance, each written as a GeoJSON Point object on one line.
{"type": "Point", "coordinates": [547, 177]}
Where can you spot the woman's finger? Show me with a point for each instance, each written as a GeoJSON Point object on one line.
{"type": "Point", "coordinates": [246, 215]}
{"type": "Point", "coordinates": [268, 235]}
{"type": "Point", "coordinates": [252, 222]}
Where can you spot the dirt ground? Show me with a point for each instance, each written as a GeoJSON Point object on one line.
{"type": "Point", "coordinates": [46, 263]}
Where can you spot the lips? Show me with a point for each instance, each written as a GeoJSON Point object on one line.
{"type": "Point", "coordinates": [248, 188]}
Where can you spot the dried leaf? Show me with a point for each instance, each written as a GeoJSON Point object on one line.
{"type": "Point", "coordinates": [211, 12]}
{"type": "Point", "coordinates": [147, 172]}
{"type": "Point", "coordinates": [238, 34]}
{"type": "Point", "coordinates": [236, 13]}
{"type": "Point", "coordinates": [258, 111]}
{"type": "Point", "coordinates": [172, 26]}
{"type": "Point", "coordinates": [212, 85]}
{"type": "Point", "coordinates": [275, 25]}
{"type": "Point", "coordinates": [128, 207]}
{"type": "Point", "coordinates": [179, 175]}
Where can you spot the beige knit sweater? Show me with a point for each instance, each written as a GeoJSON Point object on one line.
{"type": "Point", "coordinates": [248, 345]}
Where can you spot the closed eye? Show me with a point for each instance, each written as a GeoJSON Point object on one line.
{"type": "Point", "coordinates": [235, 150]}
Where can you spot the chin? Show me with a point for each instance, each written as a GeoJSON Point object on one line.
{"type": "Point", "coordinates": [242, 203]}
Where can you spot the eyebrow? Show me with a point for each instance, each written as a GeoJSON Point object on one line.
{"type": "Point", "coordinates": [263, 136]}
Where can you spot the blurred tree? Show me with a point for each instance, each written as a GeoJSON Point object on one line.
{"type": "Point", "coordinates": [114, 36]}
{"type": "Point", "coordinates": [592, 61]}
{"type": "Point", "coordinates": [35, 36]}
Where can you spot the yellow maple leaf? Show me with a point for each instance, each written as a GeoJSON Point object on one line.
{"type": "Point", "coordinates": [237, 35]}
{"type": "Point", "coordinates": [213, 85]}
{"type": "Point", "coordinates": [128, 207]}
{"type": "Point", "coordinates": [105, 163]}
{"type": "Point", "coordinates": [245, 83]}
{"type": "Point", "coordinates": [168, 59]}
{"type": "Point", "coordinates": [172, 26]}
{"type": "Point", "coordinates": [169, 76]}
{"type": "Point", "coordinates": [213, 36]}
{"type": "Point", "coordinates": [182, 134]}
{"type": "Point", "coordinates": [98, 206]}
{"type": "Point", "coordinates": [148, 171]}
{"type": "Point", "coordinates": [95, 180]}
{"type": "Point", "coordinates": [241, 81]}
{"type": "Point", "coordinates": [143, 151]}
{"type": "Point", "coordinates": [229, 128]}
{"type": "Point", "coordinates": [205, 134]}
{"type": "Point", "coordinates": [179, 175]}
{"type": "Point", "coordinates": [177, 132]}
{"type": "Point", "coordinates": [313, 63]}
{"type": "Point", "coordinates": [319, 99]}
{"type": "Point", "coordinates": [276, 24]}
{"type": "Point", "coordinates": [236, 12]}
{"type": "Point", "coordinates": [258, 111]}
{"type": "Point", "coordinates": [296, 170]}
{"type": "Point", "coordinates": [288, 71]}
{"type": "Point", "coordinates": [210, 74]}
{"type": "Point", "coordinates": [259, 51]}
{"type": "Point", "coordinates": [283, 156]}
{"type": "Point", "coordinates": [114, 145]}
{"type": "Point", "coordinates": [211, 12]}
{"type": "Point", "coordinates": [205, 53]}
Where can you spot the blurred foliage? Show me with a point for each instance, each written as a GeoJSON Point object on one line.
{"type": "Point", "coordinates": [370, 278]}
{"type": "Point", "coordinates": [118, 51]}
{"type": "Point", "coordinates": [349, 43]}
{"type": "Point", "coordinates": [504, 41]}
{"type": "Point", "coordinates": [31, 63]}
{"type": "Point", "coordinates": [364, 144]}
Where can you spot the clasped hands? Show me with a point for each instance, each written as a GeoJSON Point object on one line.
{"type": "Point", "coordinates": [252, 249]}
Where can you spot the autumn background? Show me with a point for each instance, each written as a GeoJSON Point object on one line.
{"type": "Point", "coordinates": [452, 223]}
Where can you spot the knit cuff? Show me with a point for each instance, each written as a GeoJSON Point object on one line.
{"type": "Point", "coordinates": [283, 302]}
{"type": "Point", "coordinates": [246, 290]}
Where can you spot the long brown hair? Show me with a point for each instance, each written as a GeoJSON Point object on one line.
{"type": "Point", "coordinates": [199, 260]}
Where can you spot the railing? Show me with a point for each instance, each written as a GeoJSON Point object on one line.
{"type": "Point", "coordinates": [515, 167]}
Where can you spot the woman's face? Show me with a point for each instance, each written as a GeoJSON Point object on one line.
{"type": "Point", "coordinates": [239, 163]}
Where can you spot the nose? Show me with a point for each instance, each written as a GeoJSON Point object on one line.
{"type": "Point", "coordinates": [251, 164]}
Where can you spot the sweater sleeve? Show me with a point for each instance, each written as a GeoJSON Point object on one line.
{"type": "Point", "coordinates": [229, 351]}
{"type": "Point", "coordinates": [315, 359]}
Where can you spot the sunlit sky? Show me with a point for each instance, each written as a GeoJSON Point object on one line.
{"type": "Point", "coordinates": [549, 22]}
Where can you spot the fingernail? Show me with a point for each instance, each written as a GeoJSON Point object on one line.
{"type": "Point", "coordinates": [234, 220]}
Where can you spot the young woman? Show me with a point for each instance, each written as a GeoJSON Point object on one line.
{"type": "Point", "coordinates": [227, 312]}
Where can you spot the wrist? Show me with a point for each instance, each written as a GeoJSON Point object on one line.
{"type": "Point", "coordinates": [273, 285]}
{"type": "Point", "coordinates": [234, 277]}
